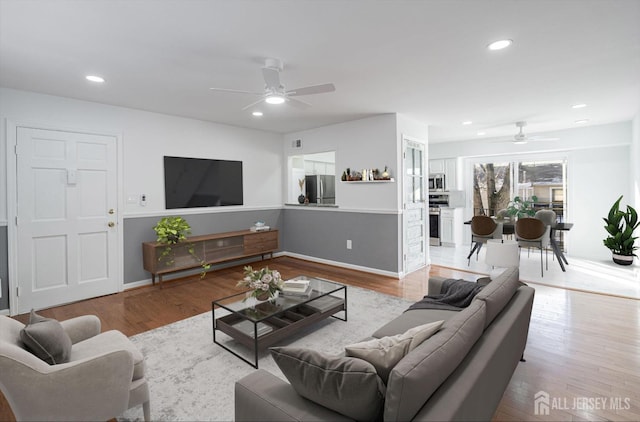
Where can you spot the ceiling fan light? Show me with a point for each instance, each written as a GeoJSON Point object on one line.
{"type": "Point", "coordinates": [499, 45]}
{"type": "Point", "coordinates": [522, 142]}
{"type": "Point", "coordinates": [581, 105]}
{"type": "Point", "coordinates": [274, 99]}
{"type": "Point", "coordinates": [257, 114]}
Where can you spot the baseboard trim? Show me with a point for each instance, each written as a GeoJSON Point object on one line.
{"type": "Point", "coordinates": [343, 265]}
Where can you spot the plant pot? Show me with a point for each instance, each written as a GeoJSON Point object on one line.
{"type": "Point", "coordinates": [301, 199]}
{"type": "Point", "coordinates": [623, 259]}
{"type": "Point", "coordinates": [263, 296]}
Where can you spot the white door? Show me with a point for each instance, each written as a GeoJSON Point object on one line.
{"type": "Point", "coordinates": [67, 217]}
{"type": "Point", "coordinates": [415, 207]}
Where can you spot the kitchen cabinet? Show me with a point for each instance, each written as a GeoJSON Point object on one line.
{"type": "Point", "coordinates": [448, 167]}
{"type": "Point", "coordinates": [451, 226]}
{"type": "Point", "coordinates": [436, 166]}
{"type": "Point", "coordinates": [450, 174]}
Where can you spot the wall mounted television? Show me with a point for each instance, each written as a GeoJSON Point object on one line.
{"type": "Point", "coordinates": [199, 182]}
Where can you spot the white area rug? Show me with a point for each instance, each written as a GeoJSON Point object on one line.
{"type": "Point", "coordinates": [192, 379]}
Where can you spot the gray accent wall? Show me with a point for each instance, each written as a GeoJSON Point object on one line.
{"type": "Point", "coordinates": [4, 268]}
{"type": "Point", "coordinates": [140, 229]}
{"type": "Point", "coordinates": [324, 234]}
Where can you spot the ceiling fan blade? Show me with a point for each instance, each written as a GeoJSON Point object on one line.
{"type": "Point", "coordinates": [252, 104]}
{"type": "Point", "coordinates": [271, 77]}
{"type": "Point", "coordinates": [308, 90]}
{"type": "Point", "coordinates": [236, 91]}
{"type": "Point", "coordinates": [298, 103]}
{"type": "Point", "coordinates": [541, 139]}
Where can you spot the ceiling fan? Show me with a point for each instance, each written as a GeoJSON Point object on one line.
{"type": "Point", "coordinates": [274, 90]}
{"type": "Point", "coordinates": [520, 138]}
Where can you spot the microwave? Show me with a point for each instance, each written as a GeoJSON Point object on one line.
{"type": "Point", "coordinates": [436, 182]}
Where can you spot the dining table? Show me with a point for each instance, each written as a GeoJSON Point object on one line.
{"type": "Point", "coordinates": [510, 225]}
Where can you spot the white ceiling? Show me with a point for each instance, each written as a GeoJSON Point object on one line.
{"type": "Point", "coordinates": [425, 59]}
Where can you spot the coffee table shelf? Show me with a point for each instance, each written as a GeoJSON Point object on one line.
{"type": "Point", "coordinates": [284, 316]}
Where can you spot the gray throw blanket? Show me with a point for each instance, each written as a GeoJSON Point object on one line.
{"type": "Point", "coordinates": [454, 295]}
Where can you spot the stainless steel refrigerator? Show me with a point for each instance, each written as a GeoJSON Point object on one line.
{"type": "Point", "coordinates": [320, 189]}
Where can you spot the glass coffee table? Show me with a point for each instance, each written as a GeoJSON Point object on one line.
{"type": "Point", "coordinates": [259, 324]}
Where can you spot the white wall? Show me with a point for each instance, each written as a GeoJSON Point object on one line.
{"type": "Point", "coordinates": [634, 162]}
{"type": "Point", "coordinates": [599, 171]}
{"type": "Point", "coordinates": [359, 144]}
{"type": "Point", "coordinates": [146, 138]}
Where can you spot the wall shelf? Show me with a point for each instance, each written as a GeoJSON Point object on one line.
{"type": "Point", "coordinates": [369, 181]}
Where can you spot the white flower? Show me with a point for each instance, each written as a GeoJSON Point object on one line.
{"type": "Point", "coordinates": [265, 287]}
{"type": "Point", "coordinates": [267, 278]}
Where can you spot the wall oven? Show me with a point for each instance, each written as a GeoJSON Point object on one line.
{"type": "Point", "coordinates": [436, 182]}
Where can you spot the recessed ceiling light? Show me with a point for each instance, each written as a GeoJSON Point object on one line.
{"type": "Point", "coordinates": [94, 78]}
{"type": "Point", "coordinates": [468, 122]}
{"type": "Point", "coordinates": [274, 99]}
{"type": "Point", "coordinates": [499, 45]}
{"type": "Point", "coordinates": [581, 105]}
{"type": "Point", "coordinates": [581, 121]}
{"type": "Point", "coordinates": [257, 113]}
{"type": "Point", "coordinates": [481, 133]}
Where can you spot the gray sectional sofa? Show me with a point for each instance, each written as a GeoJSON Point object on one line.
{"type": "Point", "coordinates": [460, 373]}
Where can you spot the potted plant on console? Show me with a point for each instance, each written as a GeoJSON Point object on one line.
{"type": "Point", "coordinates": [172, 231]}
{"type": "Point", "coordinates": [620, 225]}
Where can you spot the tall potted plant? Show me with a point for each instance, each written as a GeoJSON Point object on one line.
{"type": "Point", "coordinates": [620, 225]}
{"type": "Point", "coordinates": [172, 231]}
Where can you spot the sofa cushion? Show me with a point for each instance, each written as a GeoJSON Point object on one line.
{"type": "Point", "coordinates": [499, 292]}
{"type": "Point", "coordinates": [46, 339]}
{"type": "Point", "coordinates": [106, 342]}
{"type": "Point", "coordinates": [349, 386]}
{"type": "Point", "coordinates": [415, 378]}
{"type": "Point", "coordinates": [384, 353]}
{"type": "Point", "coordinates": [412, 318]}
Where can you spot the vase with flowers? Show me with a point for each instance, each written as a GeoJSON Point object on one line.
{"type": "Point", "coordinates": [264, 282]}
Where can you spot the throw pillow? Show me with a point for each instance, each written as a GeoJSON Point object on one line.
{"type": "Point", "coordinates": [384, 353]}
{"type": "Point", "coordinates": [46, 339]}
{"type": "Point", "coordinates": [345, 385]}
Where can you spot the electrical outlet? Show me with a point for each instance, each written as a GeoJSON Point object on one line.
{"type": "Point", "coordinates": [143, 199]}
{"type": "Point", "coordinates": [349, 244]}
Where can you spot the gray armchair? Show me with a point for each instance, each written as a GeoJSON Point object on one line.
{"type": "Point", "coordinates": [103, 378]}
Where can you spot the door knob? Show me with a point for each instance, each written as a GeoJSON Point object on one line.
{"type": "Point", "coordinates": [111, 224]}
{"type": "Point", "coordinates": [111, 211]}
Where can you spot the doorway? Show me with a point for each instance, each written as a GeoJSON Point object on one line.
{"type": "Point", "coordinates": [415, 206]}
{"type": "Point", "coordinates": [65, 235]}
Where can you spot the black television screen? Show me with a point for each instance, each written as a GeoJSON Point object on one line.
{"type": "Point", "coordinates": [198, 182]}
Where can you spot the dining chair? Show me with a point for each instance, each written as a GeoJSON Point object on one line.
{"type": "Point", "coordinates": [531, 232]}
{"type": "Point", "coordinates": [501, 254]}
{"type": "Point", "coordinates": [483, 228]}
{"type": "Point", "coordinates": [548, 217]}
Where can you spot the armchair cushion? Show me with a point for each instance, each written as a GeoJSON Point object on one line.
{"type": "Point", "coordinates": [46, 339]}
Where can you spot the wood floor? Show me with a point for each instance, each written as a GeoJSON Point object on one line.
{"type": "Point", "coordinates": [581, 347]}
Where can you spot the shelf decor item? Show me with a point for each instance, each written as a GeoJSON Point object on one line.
{"type": "Point", "coordinates": [301, 198]}
{"type": "Point", "coordinates": [172, 231]}
{"type": "Point", "coordinates": [620, 225]}
{"type": "Point", "coordinates": [265, 283]}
